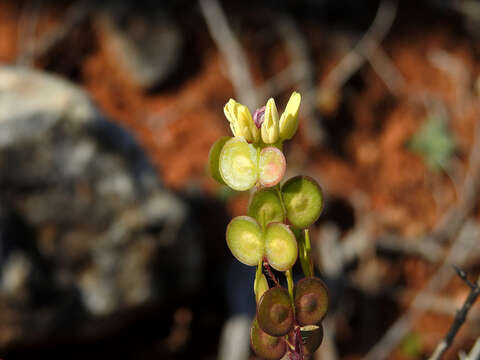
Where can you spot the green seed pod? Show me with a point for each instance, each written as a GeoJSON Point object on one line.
{"type": "Point", "coordinates": [266, 346]}
{"type": "Point", "coordinates": [271, 165]}
{"type": "Point", "coordinates": [260, 286]}
{"type": "Point", "coordinates": [280, 246]}
{"type": "Point", "coordinates": [238, 164]}
{"type": "Point", "coordinates": [311, 301]}
{"type": "Point", "coordinates": [312, 337]}
{"type": "Point", "coordinates": [265, 206]}
{"type": "Point", "coordinates": [214, 158]}
{"type": "Point", "coordinates": [275, 312]}
{"type": "Point", "coordinates": [303, 201]}
{"type": "Point", "coordinates": [245, 241]}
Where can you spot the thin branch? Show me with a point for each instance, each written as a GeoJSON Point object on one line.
{"type": "Point", "coordinates": [232, 51]}
{"type": "Point", "coordinates": [468, 8]}
{"type": "Point", "coordinates": [366, 48]}
{"type": "Point", "coordinates": [27, 26]}
{"type": "Point", "coordinates": [387, 71]}
{"type": "Point", "coordinates": [302, 70]}
{"type": "Point", "coordinates": [474, 353]}
{"type": "Point", "coordinates": [30, 47]}
{"type": "Point", "coordinates": [74, 15]}
{"type": "Point", "coordinates": [460, 317]}
{"type": "Point", "coordinates": [435, 303]}
{"type": "Point", "coordinates": [458, 254]}
{"type": "Point", "coordinates": [428, 250]}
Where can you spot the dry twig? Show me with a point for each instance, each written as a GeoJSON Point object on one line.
{"type": "Point", "coordinates": [434, 303]}
{"type": "Point", "coordinates": [458, 254]}
{"type": "Point", "coordinates": [74, 15]}
{"type": "Point", "coordinates": [460, 317]}
{"type": "Point", "coordinates": [231, 49]}
{"type": "Point", "coordinates": [302, 71]}
{"type": "Point", "coordinates": [474, 353]}
{"type": "Point", "coordinates": [27, 26]}
{"type": "Point", "coordinates": [30, 47]}
{"type": "Point", "coordinates": [367, 49]}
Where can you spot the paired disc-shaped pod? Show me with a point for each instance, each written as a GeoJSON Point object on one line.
{"type": "Point", "coordinates": [240, 165]}
{"type": "Point", "coordinates": [249, 243]}
{"type": "Point", "coordinates": [266, 346]}
{"type": "Point", "coordinates": [312, 337]}
{"type": "Point", "coordinates": [275, 313]}
{"type": "Point", "coordinates": [265, 206]}
{"type": "Point", "coordinates": [303, 200]}
{"type": "Point", "coordinates": [274, 348]}
{"type": "Point", "coordinates": [310, 301]}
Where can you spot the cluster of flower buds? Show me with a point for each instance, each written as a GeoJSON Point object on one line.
{"type": "Point", "coordinates": [274, 233]}
{"type": "Point", "coordinates": [265, 126]}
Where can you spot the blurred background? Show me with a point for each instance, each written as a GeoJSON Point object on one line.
{"type": "Point", "coordinates": [112, 233]}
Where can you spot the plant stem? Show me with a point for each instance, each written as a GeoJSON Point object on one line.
{"type": "Point", "coordinates": [308, 253]}
{"type": "Point", "coordinates": [258, 274]}
{"type": "Point", "coordinates": [279, 192]}
{"type": "Point", "coordinates": [289, 277]}
{"type": "Point", "coordinates": [270, 272]}
{"type": "Point", "coordinates": [304, 252]}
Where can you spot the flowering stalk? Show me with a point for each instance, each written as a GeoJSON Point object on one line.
{"type": "Point", "coordinates": [275, 231]}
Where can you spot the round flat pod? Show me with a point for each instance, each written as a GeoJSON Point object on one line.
{"type": "Point", "coordinates": [266, 346]}
{"type": "Point", "coordinates": [238, 164]}
{"type": "Point", "coordinates": [271, 165]}
{"type": "Point", "coordinates": [275, 312]}
{"type": "Point", "coordinates": [310, 300]}
{"type": "Point", "coordinates": [266, 207]}
{"type": "Point", "coordinates": [214, 158]}
{"type": "Point", "coordinates": [312, 337]}
{"type": "Point", "coordinates": [303, 201]}
{"type": "Point", "coordinates": [244, 239]}
{"type": "Point", "coordinates": [280, 246]}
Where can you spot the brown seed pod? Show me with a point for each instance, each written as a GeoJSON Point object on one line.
{"type": "Point", "coordinates": [311, 301]}
{"type": "Point", "coordinates": [312, 337]}
{"type": "Point", "coordinates": [266, 346]}
{"type": "Point", "coordinates": [275, 312]}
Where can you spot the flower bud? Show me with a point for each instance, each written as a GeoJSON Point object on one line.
{"type": "Point", "coordinates": [289, 118]}
{"type": "Point", "coordinates": [244, 126]}
{"type": "Point", "coordinates": [241, 121]}
{"type": "Point", "coordinates": [259, 116]}
{"type": "Point", "coordinates": [269, 129]}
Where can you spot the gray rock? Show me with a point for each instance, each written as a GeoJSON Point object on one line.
{"type": "Point", "coordinates": [86, 228]}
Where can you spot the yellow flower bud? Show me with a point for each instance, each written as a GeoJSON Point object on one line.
{"type": "Point", "coordinates": [269, 129]}
{"type": "Point", "coordinates": [289, 118]}
{"type": "Point", "coordinates": [229, 110]}
{"type": "Point", "coordinates": [241, 121]}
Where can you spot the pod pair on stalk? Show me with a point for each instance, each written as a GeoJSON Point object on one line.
{"type": "Point", "coordinates": [282, 325]}
{"type": "Point", "coordinates": [263, 233]}
{"type": "Point", "coordinates": [240, 165]}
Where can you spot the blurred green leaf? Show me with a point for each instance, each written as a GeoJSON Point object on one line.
{"type": "Point", "coordinates": [412, 345]}
{"type": "Point", "coordinates": [433, 142]}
